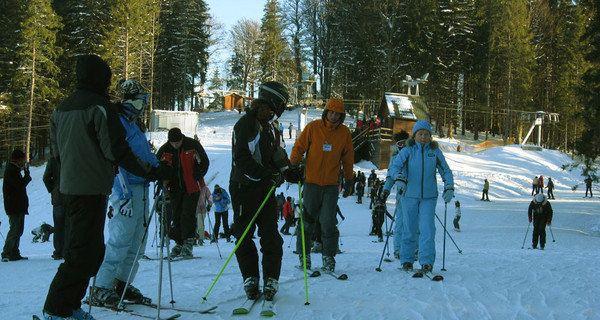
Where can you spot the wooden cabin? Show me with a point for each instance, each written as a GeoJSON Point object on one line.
{"type": "Point", "coordinates": [233, 101]}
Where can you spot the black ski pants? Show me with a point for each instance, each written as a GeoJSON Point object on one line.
{"type": "Point", "coordinates": [86, 214]}
{"type": "Point", "coordinates": [184, 215]}
{"type": "Point", "coordinates": [246, 200]}
{"type": "Point", "coordinates": [61, 230]}
{"type": "Point", "coordinates": [539, 232]}
{"type": "Point", "coordinates": [221, 216]}
{"type": "Point", "coordinates": [13, 237]}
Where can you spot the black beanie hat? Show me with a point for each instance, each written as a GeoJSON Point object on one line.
{"type": "Point", "coordinates": [17, 155]}
{"type": "Point", "coordinates": [175, 135]}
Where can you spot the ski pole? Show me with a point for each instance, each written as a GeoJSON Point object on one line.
{"type": "Point", "coordinates": [552, 233]}
{"type": "Point", "coordinates": [303, 243]}
{"type": "Point", "coordinates": [444, 250]}
{"type": "Point", "coordinates": [526, 232]}
{"type": "Point", "coordinates": [239, 242]}
{"type": "Point", "coordinates": [387, 238]}
{"type": "Point", "coordinates": [291, 238]}
{"type": "Point", "coordinates": [440, 221]}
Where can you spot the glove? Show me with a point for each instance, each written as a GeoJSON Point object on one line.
{"type": "Point", "coordinates": [530, 220]}
{"type": "Point", "coordinates": [448, 195]}
{"type": "Point", "coordinates": [276, 178]}
{"type": "Point", "coordinates": [126, 208]}
{"type": "Point", "coordinates": [208, 207]}
{"type": "Point", "coordinates": [198, 174]}
{"type": "Point", "coordinates": [400, 185]}
{"type": "Point", "coordinates": [110, 212]}
{"type": "Point", "coordinates": [164, 171]}
{"type": "Point", "coordinates": [384, 195]}
{"type": "Point", "coordinates": [293, 174]}
{"type": "Point", "coordinates": [549, 222]}
{"type": "Point", "coordinates": [26, 171]}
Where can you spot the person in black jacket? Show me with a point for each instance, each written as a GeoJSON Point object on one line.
{"type": "Point", "coordinates": [16, 203]}
{"type": "Point", "coordinates": [88, 140]}
{"type": "Point", "coordinates": [51, 180]}
{"type": "Point", "coordinates": [540, 212]}
{"type": "Point", "coordinates": [258, 161]}
{"type": "Point", "coordinates": [189, 160]}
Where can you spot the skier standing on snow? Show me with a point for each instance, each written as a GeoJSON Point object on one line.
{"type": "Point", "coordinates": [288, 214]}
{"type": "Point", "coordinates": [540, 212]}
{"type": "Point", "coordinates": [16, 203]}
{"type": "Point", "coordinates": [51, 180]}
{"type": "Point", "coordinates": [258, 160]}
{"type": "Point", "coordinates": [371, 181]}
{"type": "Point", "coordinates": [85, 129]}
{"type": "Point", "coordinates": [540, 186]}
{"type": "Point", "coordinates": [327, 143]}
{"type": "Point", "coordinates": [418, 160]}
{"type": "Point", "coordinates": [188, 158]}
{"type": "Point", "coordinates": [130, 198]}
{"type": "Point", "coordinates": [457, 215]}
{"type": "Point", "coordinates": [588, 186]}
{"type": "Point", "coordinates": [486, 188]}
{"type": "Point", "coordinates": [550, 187]}
{"type": "Point", "coordinates": [360, 187]}
{"type": "Point", "coordinates": [221, 201]}
{"type": "Point", "coordinates": [534, 185]}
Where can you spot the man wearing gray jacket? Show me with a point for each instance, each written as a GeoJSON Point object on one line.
{"type": "Point", "coordinates": [89, 141]}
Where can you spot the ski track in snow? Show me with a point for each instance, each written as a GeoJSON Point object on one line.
{"type": "Point", "coordinates": [492, 279]}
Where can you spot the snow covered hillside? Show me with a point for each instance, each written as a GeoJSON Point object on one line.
{"type": "Point", "coordinates": [493, 277]}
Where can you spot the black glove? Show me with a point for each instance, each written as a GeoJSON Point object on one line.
{"type": "Point", "coordinates": [384, 195]}
{"type": "Point", "coordinates": [294, 174]}
{"type": "Point", "coordinates": [208, 208]}
{"type": "Point", "coordinates": [276, 178]}
{"type": "Point", "coordinates": [110, 212]}
{"type": "Point", "coordinates": [164, 171]}
{"type": "Point", "coordinates": [198, 174]}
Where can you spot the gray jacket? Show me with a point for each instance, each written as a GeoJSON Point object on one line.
{"type": "Point", "coordinates": [87, 135]}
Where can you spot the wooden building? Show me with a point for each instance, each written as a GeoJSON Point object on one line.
{"type": "Point", "coordinates": [233, 101]}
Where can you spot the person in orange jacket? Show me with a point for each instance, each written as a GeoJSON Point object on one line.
{"type": "Point", "coordinates": [327, 143]}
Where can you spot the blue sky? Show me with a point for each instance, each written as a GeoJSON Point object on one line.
{"type": "Point", "coordinates": [229, 12]}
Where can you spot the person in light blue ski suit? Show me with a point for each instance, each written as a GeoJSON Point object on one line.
{"type": "Point", "coordinates": [130, 198]}
{"type": "Point", "coordinates": [418, 160]}
{"type": "Point", "coordinates": [221, 201]}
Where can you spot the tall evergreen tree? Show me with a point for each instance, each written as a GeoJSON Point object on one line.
{"type": "Point", "coordinates": [272, 59]}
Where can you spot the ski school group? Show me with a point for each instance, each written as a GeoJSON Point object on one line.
{"type": "Point", "coordinates": [88, 128]}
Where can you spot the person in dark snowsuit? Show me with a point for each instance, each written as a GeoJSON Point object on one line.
{"type": "Point", "coordinates": [88, 139]}
{"type": "Point", "coordinates": [258, 161]}
{"type": "Point", "coordinates": [16, 203]}
{"type": "Point", "coordinates": [540, 212]}
{"type": "Point", "coordinates": [360, 186]}
{"type": "Point", "coordinates": [550, 187]}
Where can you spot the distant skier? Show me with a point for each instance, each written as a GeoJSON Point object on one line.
{"type": "Point", "coordinates": [486, 188]}
{"type": "Point", "coordinates": [550, 189]}
{"type": "Point", "coordinates": [534, 184]}
{"type": "Point", "coordinates": [540, 212]}
{"type": "Point", "coordinates": [457, 215]}
{"type": "Point", "coordinates": [588, 186]}
{"type": "Point", "coordinates": [378, 216]}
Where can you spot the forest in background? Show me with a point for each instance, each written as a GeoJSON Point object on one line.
{"type": "Point", "coordinates": [488, 61]}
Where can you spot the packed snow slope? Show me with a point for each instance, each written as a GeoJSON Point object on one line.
{"type": "Point", "coordinates": [495, 277]}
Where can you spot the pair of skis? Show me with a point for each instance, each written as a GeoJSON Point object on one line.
{"type": "Point", "coordinates": [421, 274]}
{"type": "Point", "coordinates": [267, 307]}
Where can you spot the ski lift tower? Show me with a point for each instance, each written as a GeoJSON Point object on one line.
{"type": "Point", "coordinates": [409, 83]}
{"type": "Point", "coordinates": [539, 118]}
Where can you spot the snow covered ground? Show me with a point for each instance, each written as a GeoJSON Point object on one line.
{"type": "Point", "coordinates": [493, 278]}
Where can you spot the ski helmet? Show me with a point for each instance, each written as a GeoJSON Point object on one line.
{"type": "Point", "coordinates": [135, 96]}
{"type": "Point", "coordinates": [276, 94]}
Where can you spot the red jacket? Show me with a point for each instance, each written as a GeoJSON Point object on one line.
{"type": "Point", "coordinates": [190, 163]}
{"type": "Point", "coordinates": [287, 210]}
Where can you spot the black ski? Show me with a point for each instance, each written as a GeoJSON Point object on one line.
{"type": "Point", "coordinates": [420, 274]}
{"type": "Point", "coordinates": [311, 273]}
{"type": "Point", "coordinates": [336, 275]}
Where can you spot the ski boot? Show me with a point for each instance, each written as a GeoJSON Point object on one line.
{"type": "Point", "coordinates": [176, 251]}
{"type": "Point", "coordinates": [103, 297]}
{"type": "Point", "coordinates": [308, 264]}
{"type": "Point", "coordinates": [407, 266]}
{"type": "Point", "coordinates": [187, 249]}
{"type": "Point", "coordinates": [79, 314]}
{"type": "Point", "coordinates": [251, 288]}
{"type": "Point", "coordinates": [270, 288]}
{"type": "Point", "coordinates": [328, 264]}
{"type": "Point", "coordinates": [426, 268]}
{"type": "Point", "coordinates": [132, 293]}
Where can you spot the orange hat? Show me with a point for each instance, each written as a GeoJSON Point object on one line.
{"type": "Point", "coordinates": [335, 104]}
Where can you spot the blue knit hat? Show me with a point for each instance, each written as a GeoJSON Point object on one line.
{"type": "Point", "coordinates": [421, 124]}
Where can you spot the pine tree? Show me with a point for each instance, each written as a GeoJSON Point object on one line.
{"type": "Point", "coordinates": [272, 60]}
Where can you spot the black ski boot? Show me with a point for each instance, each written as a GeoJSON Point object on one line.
{"type": "Point", "coordinates": [270, 288]}
{"type": "Point", "coordinates": [132, 293]}
{"type": "Point", "coordinates": [407, 266]}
